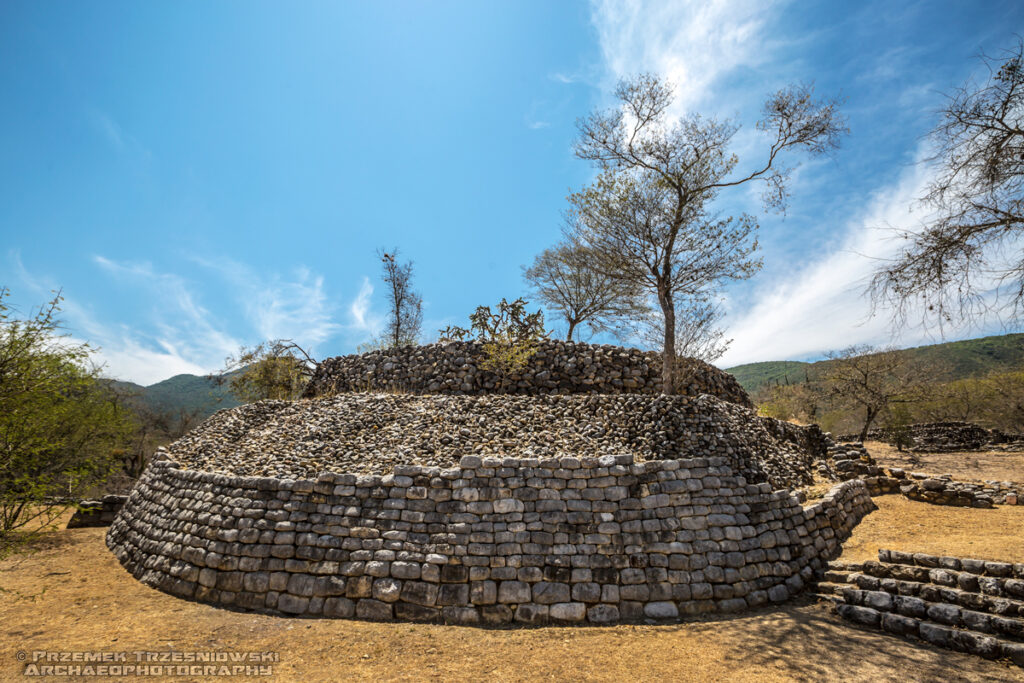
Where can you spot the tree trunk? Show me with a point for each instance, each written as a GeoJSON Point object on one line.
{"type": "Point", "coordinates": [869, 418]}
{"type": "Point", "coordinates": [572, 326]}
{"type": "Point", "coordinates": [668, 354]}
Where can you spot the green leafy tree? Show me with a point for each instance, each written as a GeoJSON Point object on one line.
{"type": "Point", "coordinates": [897, 427]}
{"type": "Point", "coordinates": [61, 425]}
{"type": "Point", "coordinates": [278, 369]}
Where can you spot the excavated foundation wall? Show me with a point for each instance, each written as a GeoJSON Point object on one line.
{"type": "Point", "coordinates": [491, 541]}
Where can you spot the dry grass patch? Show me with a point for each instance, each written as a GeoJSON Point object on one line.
{"type": "Point", "coordinates": [912, 526]}
{"type": "Point", "coordinates": [83, 600]}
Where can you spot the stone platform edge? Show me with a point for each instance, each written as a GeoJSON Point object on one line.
{"type": "Point", "coordinates": [490, 541]}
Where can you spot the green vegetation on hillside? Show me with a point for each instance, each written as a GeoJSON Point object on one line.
{"type": "Point", "coordinates": [977, 380]}
{"type": "Point", "coordinates": [753, 376]}
{"type": "Point", "coordinates": [188, 393]}
{"type": "Point", "coordinates": [971, 358]}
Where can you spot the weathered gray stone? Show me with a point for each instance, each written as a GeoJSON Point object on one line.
{"type": "Point", "coordinates": [339, 608]}
{"type": "Point", "coordinates": [860, 615]}
{"type": "Point", "coordinates": [374, 610]}
{"type": "Point", "coordinates": [568, 611]}
{"type": "Point", "coordinates": [387, 589]}
{"type": "Point", "coordinates": [548, 593]}
{"type": "Point", "coordinates": [661, 610]}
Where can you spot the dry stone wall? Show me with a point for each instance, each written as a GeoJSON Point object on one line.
{"type": "Point", "coordinates": [490, 541]}
{"type": "Point", "coordinates": [558, 367]}
{"type": "Point", "coordinates": [851, 460]}
{"type": "Point", "coordinates": [96, 512]}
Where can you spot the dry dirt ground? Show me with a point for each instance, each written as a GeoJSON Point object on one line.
{"type": "Point", "coordinates": [72, 595]}
{"type": "Point", "coordinates": [963, 465]}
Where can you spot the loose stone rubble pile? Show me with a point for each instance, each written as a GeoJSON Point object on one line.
{"type": "Point", "coordinates": [372, 433]}
{"type": "Point", "coordinates": [944, 437]}
{"type": "Point", "coordinates": [558, 367]}
{"type": "Point", "coordinates": [852, 461]}
{"type": "Point", "coordinates": [490, 540]}
{"type": "Point", "coordinates": [973, 606]}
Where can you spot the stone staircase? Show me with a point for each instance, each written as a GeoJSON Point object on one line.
{"type": "Point", "coordinates": [967, 605]}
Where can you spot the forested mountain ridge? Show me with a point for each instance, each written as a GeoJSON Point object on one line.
{"type": "Point", "coordinates": [965, 359]}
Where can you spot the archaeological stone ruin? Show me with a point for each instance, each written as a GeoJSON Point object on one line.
{"type": "Point", "coordinates": [571, 492]}
{"type": "Point", "coordinates": [415, 485]}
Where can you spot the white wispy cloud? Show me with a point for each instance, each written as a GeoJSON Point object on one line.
{"type": "Point", "coordinates": [692, 43]}
{"type": "Point", "coordinates": [115, 134]}
{"type": "Point", "coordinates": [795, 312]}
{"type": "Point", "coordinates": [178, 333]}
{"type": "Point", "coordinates": [192, 345]}
{"type": "Point", "coordinates": [823, 305]}
{"type": "Point", "coordinates": [562, 78]}
{"type": "Point", "coordinates": [364, 321]}
{"type": "Point", "coordinates": [294, 306]}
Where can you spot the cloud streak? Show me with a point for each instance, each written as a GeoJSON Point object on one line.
{"type": "Point", "coordinates": [296, 307]}
{"type": "Point", "coordinates": [692, 44]}
{"type": "Point", "coordinates": [823, 305]}
{"type": "Point", "coordinates": [182, 335]}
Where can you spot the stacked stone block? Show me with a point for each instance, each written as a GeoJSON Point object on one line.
{"type": "Point", "coordinates": [491, 541]}
{"type": "Point", "coordinates": [91, 513]}
{"type": "Point", "coordinates": [970, 605]}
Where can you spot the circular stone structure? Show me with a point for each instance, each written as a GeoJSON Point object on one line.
{"type": "Point", "coordinates": [482, 509]}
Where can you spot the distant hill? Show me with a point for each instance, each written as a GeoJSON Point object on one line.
{"type": "Point", "coordinates": [182, 392]}
{"type": "Point", "coordinates": [961, 359]}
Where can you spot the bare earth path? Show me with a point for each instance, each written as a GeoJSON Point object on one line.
{"type": "Point", "coordinates": [81, 599]}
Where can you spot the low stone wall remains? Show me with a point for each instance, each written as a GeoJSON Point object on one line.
{"type": "Point", "coordinates": [558, 367]}
{"type": "Point", "coordinates": [944, 437]}
{"type": "Point", "coordinates": [852, 461]}
{"type": "Point", "coordinates": [91, 513]}
{"type": "Point", "coordinates": [490, 541]}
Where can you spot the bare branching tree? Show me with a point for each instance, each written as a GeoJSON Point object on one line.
{"type": "Point", "coordinates": [566, 279]}
{"type": "Point", "coordinates": [872, 381]}
{"type": "Point", "coordinates": [698, 334]}
{"type": "Point", "coordinates": [972, 244]}
{"type": "Point", "coordinates": [629, 222]}
{"type": "Point", "coordinates": [405, 306]}
{"type": "Point", "coordinates": [647, 215]}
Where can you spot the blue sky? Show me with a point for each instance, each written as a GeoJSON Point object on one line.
{"type": "Point", "coordinates": [200, 175]}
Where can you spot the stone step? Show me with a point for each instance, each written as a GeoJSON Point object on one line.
{"type": "Point", "coordinates": [973, 566]}
{"type": "Point", "coordinates": [841, 566]}
{"type": "Point", "coordinates": [836, 576]}
{"type": "Point", "coordinates": [980, 602]}
{"type": "Point", "coordinates": [1004, 586]}
{"type": "Point", "coordinates": [961, 640]}
{"type": "Point", "coordinates": [941, 613]}
{"type": "Point", "coordinates": [830, 588]}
